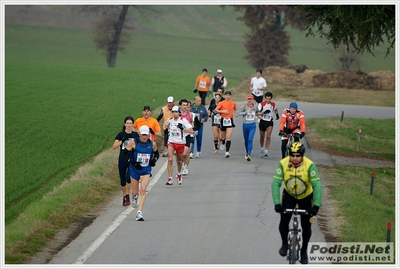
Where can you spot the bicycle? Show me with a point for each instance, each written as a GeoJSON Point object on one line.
{"type": "Point", "coordinates": [294, 235]}
{"type": "Point", "coordinates": [290, 138]}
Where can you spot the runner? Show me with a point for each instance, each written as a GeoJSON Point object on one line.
{"type": "Point", "coordinates": [267, 110]}
{"type": "Point", "coordinates": [227, 109]}
{"type": "Point", "coordinates": [165, 114]}
{"type": "Point", "coordinates": [215, 121]}
{"type": "Point", "coordinates": [177, 126]}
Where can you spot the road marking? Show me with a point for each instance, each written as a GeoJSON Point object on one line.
{"type": "Point", "coordinates": [114, 225]}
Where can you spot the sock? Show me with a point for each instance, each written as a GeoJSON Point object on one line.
{"type": "Point", "coordinates": [228, 145]}
{"type": "Point", "coordinates": [223, 142]}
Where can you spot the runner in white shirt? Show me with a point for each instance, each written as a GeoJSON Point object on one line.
{"type": "Point", "coordinates": [257, 86]}
{"type": "Point", "coordinates": [178, 127]}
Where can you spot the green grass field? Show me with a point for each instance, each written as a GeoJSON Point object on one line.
{"type": "Point", "coordinates": [63, 106]}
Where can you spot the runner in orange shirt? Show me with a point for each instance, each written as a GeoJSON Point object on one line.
{"type": "Point", "coordinates": [152, 123]}
{"type": "Point", "coordinates": [202, 85]}
{"type": "Point", "coordinates": [227, 109]}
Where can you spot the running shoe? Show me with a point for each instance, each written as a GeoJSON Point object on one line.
{"type": "Point", "coordinates": [179, 176]}
{"type": "Point", "coordinates": [261, 152]}
{"type": "Point", "coordinates": [139, 216]}
{"type": "Point", "coordinates": [128, 202]}
{"type": "Point", "coordinates": [124, 201]}
{"type": "Point", "coordinates": [222, 147]}
{"type": "Point", "coordinates": [227, 155]}
{"type": "Point", "coordinates": [185, 171]}
{"type": "Point", "coordinates": [198, 154]}
{"type": "Point", "coordinates": [191, 155]}
{"type": "Point", "coordinates": [248, 158]}
{"type": "Point", "coordinates": [165, 154]}
{"type": "Point", "coordinates": [266, 153]}
{"type": "Point", "coordinates": [169, 182]}
{"type": "Point", "coordinates": [134, 201]}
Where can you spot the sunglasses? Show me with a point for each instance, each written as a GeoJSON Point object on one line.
{"type": "Point", "coordinates": [295, 155]}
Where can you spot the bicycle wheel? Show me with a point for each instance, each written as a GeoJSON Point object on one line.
{"type": "Point", "coordinates": [293, 250]}
{"type": "Point", "coordinates": [288, 145]}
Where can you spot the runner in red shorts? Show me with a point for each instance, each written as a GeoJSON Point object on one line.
{"type": "Point", "coordinates": [176, 142]}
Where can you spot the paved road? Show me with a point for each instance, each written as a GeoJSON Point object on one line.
{"type": "Point", "coordinates": [222, 214]}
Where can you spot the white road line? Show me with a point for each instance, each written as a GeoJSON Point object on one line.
{"type": "Point", "coordinates": [114, 225]}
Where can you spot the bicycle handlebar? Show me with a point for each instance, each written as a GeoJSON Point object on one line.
{"type": "Point", "coordinates": [296, 210]}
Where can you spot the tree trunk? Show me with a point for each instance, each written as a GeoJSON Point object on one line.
{"type": "Point", "coordinates": [113, 47]}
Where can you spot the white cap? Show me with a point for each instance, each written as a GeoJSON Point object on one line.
{"type": "Point", "coordinates": [144, 130]}
{"type": "Point", "coordinates": [170, 99]}
{"type": "Point", "coordinates": [175, 108]}
{"type": "Point", "coordinates": [219, 71]}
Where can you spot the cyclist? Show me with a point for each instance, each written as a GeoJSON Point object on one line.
{"type": "Point", "coordinates": [301, 186]}
{"type": "Point", "coordinates": [292, 122]}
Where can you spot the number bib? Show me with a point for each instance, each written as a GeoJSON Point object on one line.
{"type": "Point", "coordinates": [144, 158]}
{"type": "Point", "coordinates": [251, 116]}
{"type": "Point", "coordinates": [175, 132]}
{"type": "Point", "coordinates": [202, 84]}
{"type": "Point", "coordinates": [217, 119]}
{"type": "Point", "coordinates": [267, 117]}
{"type": "Point", "coordinates": [226, 122]}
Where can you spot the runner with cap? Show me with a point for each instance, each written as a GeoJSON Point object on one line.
{"type": "Point", "coordinates": [292, 122]}
{"type": "Point", "coordinates": [249, 112]}
{"type": "Point", "coordinates": [177, 127]}
{"type": "Point", "coordinates": [165, 114]}
{"type": "Point", "coordinates": [227, 109]}
{"type": "Point", "coordinates": [219, 81]}
{"type": "Point", "coordinates": [152, 123]}
{"type": "Point", "coordinates": [144, 155]}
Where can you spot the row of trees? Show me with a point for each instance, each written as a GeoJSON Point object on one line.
{"type": "Point", "coordinates": [357, 28]}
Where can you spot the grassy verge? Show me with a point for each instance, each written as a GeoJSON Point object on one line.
{"type": "Point", "coordinates": [377, 139]}
{"type": "Point", "coordinates": [363, 216]}
{"type": "Point", "coordinates": [93, 184]}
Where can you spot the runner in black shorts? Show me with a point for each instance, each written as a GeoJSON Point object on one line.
{"type": "Point", "coordinates": [267, 110]}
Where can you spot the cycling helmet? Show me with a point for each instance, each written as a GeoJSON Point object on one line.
{"type": "Point", "coordinates": [297, 147]}
{"type": "Point", "coordinates": [293, 104]}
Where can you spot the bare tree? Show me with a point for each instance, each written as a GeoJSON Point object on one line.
{"type": "Point", "coordinates": [108, 31]}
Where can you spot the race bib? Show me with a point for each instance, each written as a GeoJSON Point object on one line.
{"type": "Point", "coordinates": [217, 119]}
{"type": "Point", "coordinates": [175, 132]}
{"type": "Point", "coordinates": [144, 158]}
{"type": "Point", "coordinates": [202, 84]}
{"type": "Point", "coordinates": [226, 122]}
{"type": "Point", "coordinates": [267, 117]}
{"type": "Point", "coordinates": [251, 116]}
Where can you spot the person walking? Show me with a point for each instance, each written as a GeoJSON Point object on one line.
{"type": "Point", "coordinates": [267, 110]}
{"type": "Point", "coordinates": [200, 117]}
{"type": "Point", "coordinates": [249, 112]}
{"type": "Point", "coordinates": [177, 126]}
{"type": "Point", "coordinates": [144, 155]}
{"type": "Point", "coordinates": [121, 141]}
{"type": "Point", "coordinates": [302, 187]}
{"type": "Point", "coordinates": [257, 86]}
{"type": "Point", "coordinates": [227, 109]}
{"type": "Point", "coordinates": [165, 114]}
{"type": "Point", "coordinates": [202, 85]}
{"type": "Point", "coordinates": [215, 120]}
{"type": "Point", "coordinates": [152, 123]}
{"type": "Point", "coordinates": [219, 81]}
{"type": "Point", "coordinates": [293, 121]}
